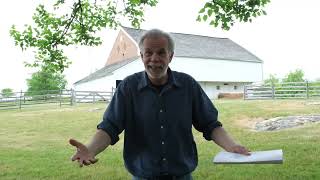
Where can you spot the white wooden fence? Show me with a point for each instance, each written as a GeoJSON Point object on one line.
{"type": "Point", "coordinates": [18, 100]}
{"type": "Point", "coordinates": [291, 90]}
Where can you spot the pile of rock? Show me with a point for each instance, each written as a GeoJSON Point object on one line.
{"type": "Point", "coordinates": [286, 122]}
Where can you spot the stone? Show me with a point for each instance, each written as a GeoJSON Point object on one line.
{"type": "Point", "coordinates": [286, 122]}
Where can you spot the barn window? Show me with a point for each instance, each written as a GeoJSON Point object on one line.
{"type": "Point", "coordinates": [218, 87]}
{"type": "Point", "coordinates": [225, 84]}
{"type": "Point", "coordinates": [235, 87]}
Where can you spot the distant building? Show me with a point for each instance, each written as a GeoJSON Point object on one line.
{"type": "Point", "coordinates": [218, 64]}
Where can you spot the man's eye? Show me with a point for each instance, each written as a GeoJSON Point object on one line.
{"type": "Point", "coordinates": [162, 53]}
{"type": "Point", "coordinates": [147, 53]}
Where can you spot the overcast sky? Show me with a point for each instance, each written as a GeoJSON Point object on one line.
{"type": "Point", "coordinates": [286, 39]}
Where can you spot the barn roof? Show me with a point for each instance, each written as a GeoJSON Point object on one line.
{"type": "Point", "coordinates": [196, 46]}
{"type": "Point", "coordinates": [105, 71]}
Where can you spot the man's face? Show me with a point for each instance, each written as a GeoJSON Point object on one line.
{"type": "Point", "coordinates": [156, 58]}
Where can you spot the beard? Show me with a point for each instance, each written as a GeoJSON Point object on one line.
{"type": "Point", "coordinates": [156, 71]}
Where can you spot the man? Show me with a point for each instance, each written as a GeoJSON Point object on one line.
{"type": "Point", "coordinates": [157, 108]}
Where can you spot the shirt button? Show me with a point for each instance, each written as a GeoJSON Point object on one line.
{"type": "Point", "coordinates": [161, 127]}
{"type": "Point", "coordinates": [164, 159]}
{"type": "Point", "coordinates": [161, 110]}
{"type": "Point", "coordinates": [162, 142]}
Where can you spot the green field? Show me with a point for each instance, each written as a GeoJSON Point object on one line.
{"type": "Point", "coordinates": [34, 143]}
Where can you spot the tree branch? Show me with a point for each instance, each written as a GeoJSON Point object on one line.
{"type": "Point", "coordinates": [71, 19]}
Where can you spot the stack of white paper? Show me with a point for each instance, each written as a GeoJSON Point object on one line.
{"type": "Point", "coordinates": [256, 157]}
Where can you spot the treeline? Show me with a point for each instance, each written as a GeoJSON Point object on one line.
{"type": "Point", "coordinates": [292, 77]}
{"type": "Point", "coordinates": [293, 85]}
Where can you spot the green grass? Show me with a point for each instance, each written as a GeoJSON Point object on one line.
{"type": "Point", "coordinates": [34, 143]}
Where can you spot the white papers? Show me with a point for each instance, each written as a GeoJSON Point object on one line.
{"type": "Point", "coordinates": [256, 157]}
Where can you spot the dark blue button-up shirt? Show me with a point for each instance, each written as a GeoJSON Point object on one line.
{"type": "Point", "coordinates": [158, 125]}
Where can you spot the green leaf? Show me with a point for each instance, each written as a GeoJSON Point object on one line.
{"type": "Point", "coordinates": [210, 11]}
{"type": "Point", "coordinates": [205, 17]}
{"type": "Point", "coordinates": [135, 1]}
{"type": "Point", "coordinates": [202, 10]}
{"type": "Point", "coordinates": [207, 5]}
{"type": "Point", "coordinates": [199, 18]}
{"type": "Point", "coordinates": [264, 12]}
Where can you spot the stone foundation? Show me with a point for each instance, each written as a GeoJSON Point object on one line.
{"type": "Point", "coordinates": [286, 122]}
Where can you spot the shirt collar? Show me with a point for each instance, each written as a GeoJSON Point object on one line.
{"type": "Point", "coordinates": [144, 82]}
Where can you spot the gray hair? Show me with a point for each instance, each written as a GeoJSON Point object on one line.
{"type": "Point", "coordinates": [155, 33]}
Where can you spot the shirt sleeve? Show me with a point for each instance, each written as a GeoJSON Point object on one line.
{"type": "Point", "coordinates": [204, 114]}
{"type": "Point", "coordinates": [115, 115]}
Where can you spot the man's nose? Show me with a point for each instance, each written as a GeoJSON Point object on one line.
{"type": "Point", "coordinates": [155, 57]}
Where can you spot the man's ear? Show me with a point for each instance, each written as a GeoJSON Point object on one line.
{"type": "Point", "coordinates": [171, 56]}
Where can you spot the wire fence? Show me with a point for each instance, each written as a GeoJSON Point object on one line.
{"type": "Point", "coordinates": [288, 90]}
{"type": "Point", "coordinates": [19, 100]}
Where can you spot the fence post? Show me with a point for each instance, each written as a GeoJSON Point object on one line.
{"type": "Point", "coordinates": [273, 91]}
{"type": "Point", "coordinates": [244, 92]}
{"type": "Point", "coordinates": [72, 100]}
{"type": "Point", "coordinates": [20, 99]}
{"type": "Point", "coordinates": [45, 95]}
{"type": "Point", "coordinates": [307, 89]}
{"type": "Point", "coordinates": [94, 97]}
{"type": "Point", "coordinates": [60, 97]}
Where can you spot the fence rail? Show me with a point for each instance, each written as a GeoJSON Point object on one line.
{"type": "Point", "coordinates": [18, 100]}
{"type": "Point", "coordinates": [290, 90]}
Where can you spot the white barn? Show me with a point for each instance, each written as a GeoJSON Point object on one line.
{"type": "Point", "coordinates": [218, 64]}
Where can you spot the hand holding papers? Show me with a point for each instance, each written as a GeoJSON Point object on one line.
{"type": "Point", "coordinates": [256, 157]}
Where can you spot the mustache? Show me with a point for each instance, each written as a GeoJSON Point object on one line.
{"type": "Point", "coordinates": [152, 66]}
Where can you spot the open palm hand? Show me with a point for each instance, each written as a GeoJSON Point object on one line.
{"type": "Point", "coordinates": [83, 156]}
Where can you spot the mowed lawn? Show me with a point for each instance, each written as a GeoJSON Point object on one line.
{"type": "Point", "coordinates": [34, 143]}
